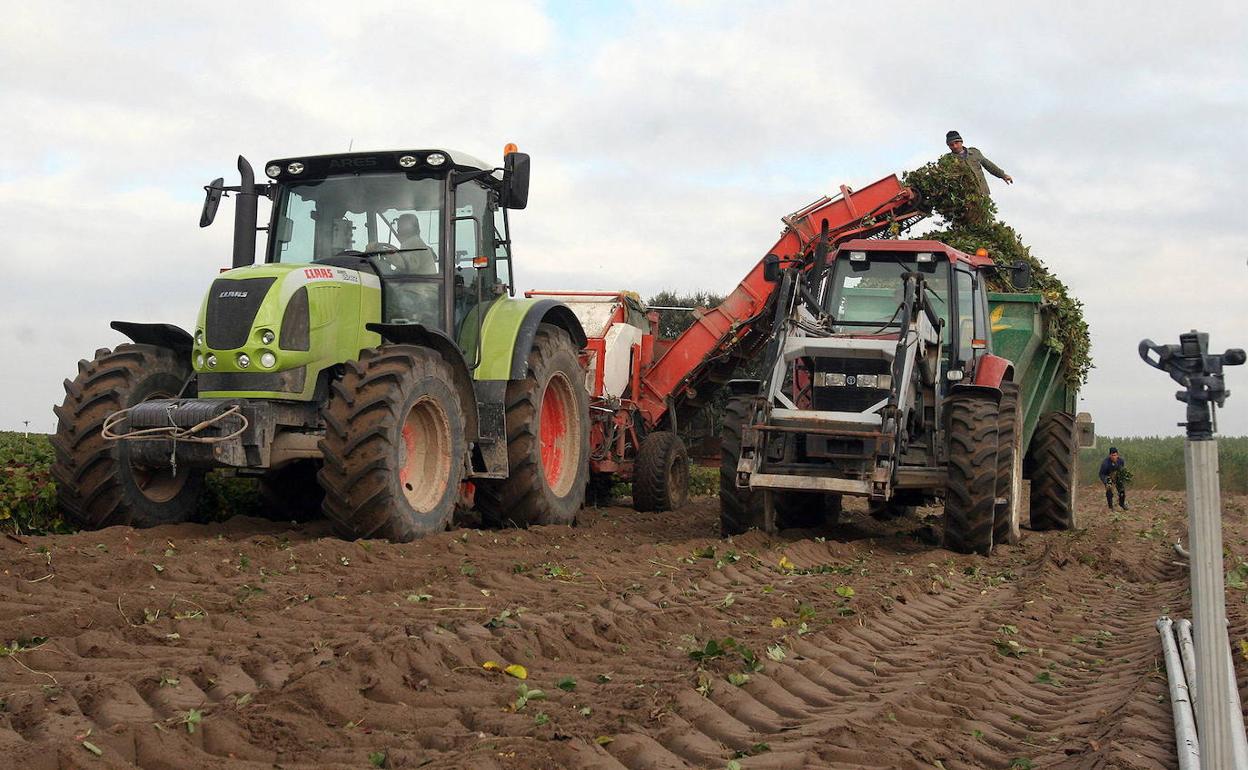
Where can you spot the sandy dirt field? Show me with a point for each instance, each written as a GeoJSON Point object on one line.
{"type": "Point", "coordinates": [263, 645]}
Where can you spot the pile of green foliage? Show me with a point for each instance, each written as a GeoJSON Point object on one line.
{"type": "Point", "coordinates": [948, 187]}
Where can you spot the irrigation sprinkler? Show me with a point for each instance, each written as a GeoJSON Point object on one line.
{"type": "Point", "coordinates": [1190, 364]}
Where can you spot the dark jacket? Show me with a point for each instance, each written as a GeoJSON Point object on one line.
{"type": "Point", "coordinates": [1109, 467]}
{"type": "Point", "coordinates": [976, 160]}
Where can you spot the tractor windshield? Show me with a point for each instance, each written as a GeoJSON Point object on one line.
{"type": "Point", "coordinates": [389, 218]}
{"type": "Point", "coordinates": [865, 295]}
{"type": "Point", "coordinates": [370, 213]}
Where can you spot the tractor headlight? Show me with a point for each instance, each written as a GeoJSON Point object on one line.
{"type": "Point", "coordinates": [295, 168]}
{"type": "Point", "coordinates": [826, 379]}
{"type": "Point", "coordinates": [199, 360]}
{"type": "Point", "coordinates": [868, 380]}
{"type": "Point", "coordinates": [244, 360]}
{"type": "Point", "coordinates": [268, 360]}
{"type": "Point", "coordinates": [435, 159]}
{"type": "Point", "coordinates": [199, 336]}
{"type": "Point", "coordinates": [407, 161]}
{"type": "Point", "coordinates": [212, 360]}
{"type": "Point", "coordinates": [267, 336]}
{"type": "Point", "coordinates": [273, 170]}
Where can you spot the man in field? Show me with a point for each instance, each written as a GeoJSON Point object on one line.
{"type": "Point", "coordinates": [1112, 472]}
{"type": "Point", "coordinates": [975, 159]}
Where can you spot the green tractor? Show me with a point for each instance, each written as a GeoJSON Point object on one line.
{"type": "Point", "coordinates": [375, 365]}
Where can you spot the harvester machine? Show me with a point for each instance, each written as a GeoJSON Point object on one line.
{"type": "Point", "coordinates": [879, 381]}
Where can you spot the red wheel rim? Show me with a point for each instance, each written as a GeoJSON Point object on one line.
{"type": "Point", "coordinates": [558, 434]}
{"type": "Point", "coordinates": [425, 460]}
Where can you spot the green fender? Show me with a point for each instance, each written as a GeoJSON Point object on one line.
{"type": "Point", "coordinates": [508, 330]}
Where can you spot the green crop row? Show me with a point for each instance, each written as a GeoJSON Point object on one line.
{"type": "Point", "coordinates": [28, 492]}
{"type": "Point", "coordinates": [1156, 462]}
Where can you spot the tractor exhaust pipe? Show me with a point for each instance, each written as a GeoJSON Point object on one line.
{"type": "Point", "coordinates": [245, 215]}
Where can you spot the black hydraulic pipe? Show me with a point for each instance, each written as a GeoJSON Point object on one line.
{"type": "Point", "coordinates": [245, 215]}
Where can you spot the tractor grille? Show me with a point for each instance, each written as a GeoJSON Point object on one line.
{"type": "Point", "coordinates": [847, 398]}
{"type": "Point", "coordinates": [232, 307]}
{"type": "Point", "coordinates": [289, 381]}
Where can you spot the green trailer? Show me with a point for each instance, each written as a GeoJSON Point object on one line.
{"type": "Point", "coordinates": [1050, 428]}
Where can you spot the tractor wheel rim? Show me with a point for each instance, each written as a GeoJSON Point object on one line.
{"type": "Point", "coordinates": [425, 455]}
{"type": "Point", "coordinates": [159, 485]}
{"type": "Point", "coordinates": [558, 434]}
{"type": "Point", "coordinates": [677, 481]}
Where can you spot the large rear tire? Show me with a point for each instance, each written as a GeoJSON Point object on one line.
{"type": "Point", "coordinates": [292, 492]}
{"type": "Point", "coordinates": [1007, 513]}
{"type": "Point", "coordinates": [394, 447]}
{"type": "Point", "coordinates": [547, 440]}
{"type": "Point", "coordinates": [1054, 469]}
{"type": "Point", "coordinates": [970, 493]}
{"type": "Point", "coordinates": [739, 509]}
{"type": "Point", "coordinates": [661, 473]}
{"type": "Point", "coordinates": [97, 484]}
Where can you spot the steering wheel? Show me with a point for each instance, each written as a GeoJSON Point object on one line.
{"type": "Point", "coordinates": [385, 257]}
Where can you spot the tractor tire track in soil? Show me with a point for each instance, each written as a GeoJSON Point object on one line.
{"type": "Point", "coordinates": [253, 644]}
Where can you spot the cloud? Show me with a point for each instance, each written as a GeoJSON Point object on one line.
{"type": "Point", "coordinates": [667, 143]}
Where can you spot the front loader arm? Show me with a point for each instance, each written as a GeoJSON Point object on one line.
{"type": "Point", "coordinates": [740, 325]}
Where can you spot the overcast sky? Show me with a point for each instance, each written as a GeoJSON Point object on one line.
{"type": "Point", "coordinates": [667, 142]}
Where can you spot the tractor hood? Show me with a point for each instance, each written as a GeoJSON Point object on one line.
{"type": "Point", "coordinates": [267, 331]}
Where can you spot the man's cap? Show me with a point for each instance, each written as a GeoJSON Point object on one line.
{"type": "Point", "coordinates": [952, 136]}
{"type": "Point", "coordinates": [1113, 450]}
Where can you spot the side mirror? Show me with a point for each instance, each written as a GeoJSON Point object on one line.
{"type": "Point", "coordinates": [212, 199]}
{"type": "Point", "coordinates": [516, 180]}
{"type": "Point", "coordinates": [1022, 276]}
{"type": "Point", "coordinates": [771, 268]}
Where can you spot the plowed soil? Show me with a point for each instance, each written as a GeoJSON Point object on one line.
{"type": "Point", "coordinates": [255, 644]}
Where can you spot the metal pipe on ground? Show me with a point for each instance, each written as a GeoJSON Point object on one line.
{"type": "Point", "coordinates": [1239, 740]}
{"type": "Point", "coordinates": [1180, 702]}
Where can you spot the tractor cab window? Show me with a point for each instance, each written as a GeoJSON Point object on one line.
{"type": "Point", "coordinates": [502, 249]}
{"type": "Point", "coordinates": [865, 296]}
{"type": "Point", "coordinates": [390, 219]}
{"type": "Point", "coordinates": [966, 316]}
{"type": "Point", "coordinates": [474, 264]}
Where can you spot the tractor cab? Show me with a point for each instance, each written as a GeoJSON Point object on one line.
{"type": "Point", "coordinates": [866, 291]}
{"type": "Point", "coordinates": [429, 224]}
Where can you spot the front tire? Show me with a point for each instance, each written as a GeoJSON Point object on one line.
{"type": "Point", "coordinates": [97, 484]}
{"type": "Point", "coordinates": [970, 493]}
{"type": "Point", "coordinates": [661, 473]}
{"type": "Point", "coordinates": [1007, 514]}
{"type": "Point", "coordinates": [740, 510]}
{"type": "Point", "coordinates": [394, 447]}
{"type": "Point", "coordinates": [547, 440]}
{"type": "Point", "coordinates": [1054, 457]}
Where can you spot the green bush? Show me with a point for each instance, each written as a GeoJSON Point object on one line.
{"type": "Point", "coordinates": [703, 481]}
{"type": "Point", "coordinates": [27, 492]}
{"type": "Point", "coordinates": [1156, 462]}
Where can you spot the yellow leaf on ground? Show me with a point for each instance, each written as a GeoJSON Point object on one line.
{"type": "Point", "coordinates": [517, 670]}
{"type": "Point", "coordinates": [778, 622]}
{"type": "Point", "coordinates": [786, 564]}
{"type": "Point", "coordinates": [1243, 649]}
{"type": "Point", "coordinates": [490, 665]}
